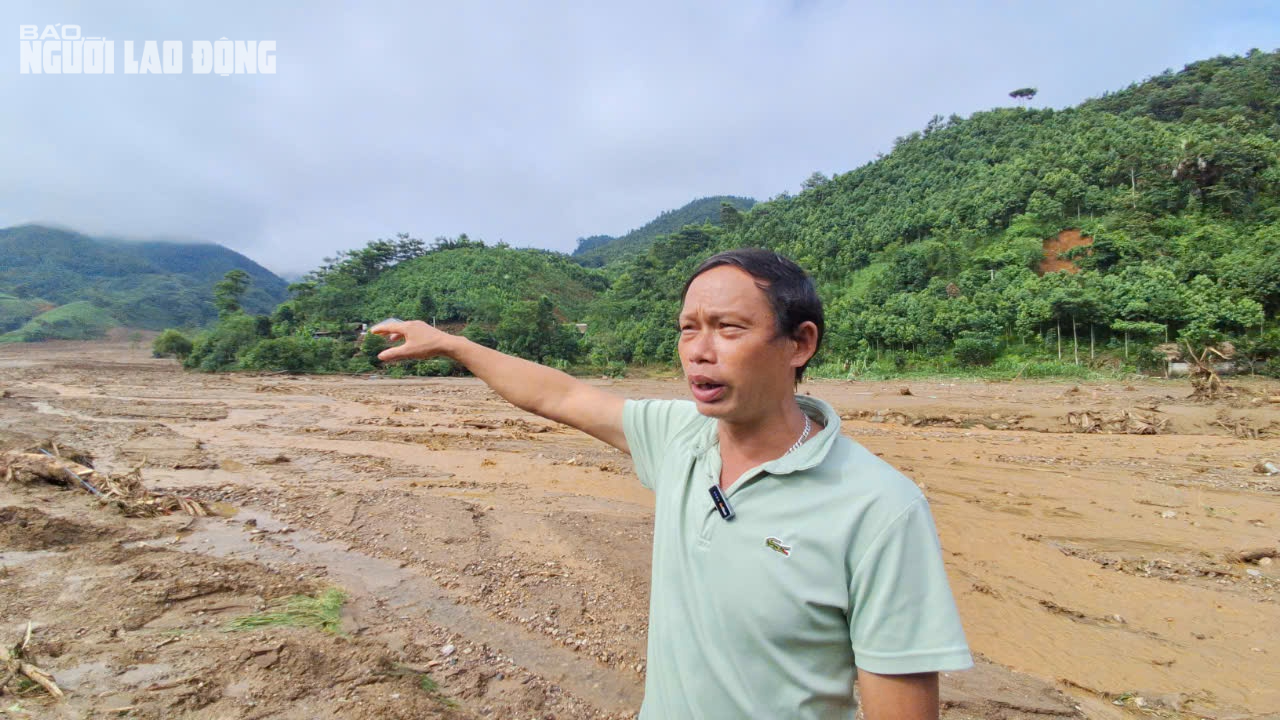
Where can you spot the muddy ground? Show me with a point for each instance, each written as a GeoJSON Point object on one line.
{"type": "Point", "coordinates": [497, 564]}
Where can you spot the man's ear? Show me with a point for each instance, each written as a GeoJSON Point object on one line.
{"type": "Point", "coordinates": [805, 339]}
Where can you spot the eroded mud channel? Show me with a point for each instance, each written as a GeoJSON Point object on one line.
{"type": "Point", "coordinates": [496, 564]}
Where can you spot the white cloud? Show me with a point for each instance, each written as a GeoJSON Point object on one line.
{"type": "Point", "coordinates": [535, 123]}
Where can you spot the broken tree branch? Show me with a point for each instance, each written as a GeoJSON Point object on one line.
{"type": "Point", "coordinates": [13, 660]}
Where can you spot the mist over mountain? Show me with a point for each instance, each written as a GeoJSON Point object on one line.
{"type": "Point", "coordinates": [151, 284]}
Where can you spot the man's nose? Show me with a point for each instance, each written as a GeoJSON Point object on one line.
{"type": "Point", "coordinates": [699, 349]}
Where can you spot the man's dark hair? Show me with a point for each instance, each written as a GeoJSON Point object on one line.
{"type": "Point", "coordinates": [790, 290]}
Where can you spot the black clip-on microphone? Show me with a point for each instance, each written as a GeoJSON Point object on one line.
{"type": "Point", "coordinates": [722, 504]}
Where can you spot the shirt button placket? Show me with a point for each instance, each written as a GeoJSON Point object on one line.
{"type": "Point", "coordinates": [704, 477]}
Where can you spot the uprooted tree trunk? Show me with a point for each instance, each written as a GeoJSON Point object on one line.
{"type": "Point", "coordinates": [126, 492]}
{"type": "Point", "coordinates": [1205, 381]}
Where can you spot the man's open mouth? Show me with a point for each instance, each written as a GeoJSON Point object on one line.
{"type": "Point", "coordinates": [705, 390]}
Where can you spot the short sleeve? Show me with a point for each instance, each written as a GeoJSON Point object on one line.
{"type": "Point", "coordinates": [650, 427]}
{"type": "Point", "coordinates": [902, 617]}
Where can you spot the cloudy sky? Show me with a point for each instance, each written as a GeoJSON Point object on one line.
{"type": "Point", "coordinates": [531, 122]}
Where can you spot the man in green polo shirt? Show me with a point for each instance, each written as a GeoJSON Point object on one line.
{"type": "Point", "coordinates": [787, 559]}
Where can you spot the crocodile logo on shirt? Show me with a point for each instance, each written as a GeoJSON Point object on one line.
{"type": "Point", "coordinates": [774, 543]}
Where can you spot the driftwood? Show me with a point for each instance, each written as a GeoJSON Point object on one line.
{"type": "Point", "coordinates": [125, 491]}
{"type": "Point", "coordinates": [28, 467]}
{"type": "Point", "coordinates": [1239, 429]}
{"type": "Point", "coordinates": [1254, 555]}
{"type": "Point", "coordinates": [14, 662]}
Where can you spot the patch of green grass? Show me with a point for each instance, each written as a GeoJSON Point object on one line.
{"type": "Point", "coordinates": [323, 612]}
{"type": "Point", "coordinates": [426, 683]}
{"type": "Point", "coordinates": [432, 688]}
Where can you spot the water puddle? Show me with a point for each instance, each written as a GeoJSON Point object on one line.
{"type": "Point", "coordinates": [22, 557]}
{"type": "Point", "coordinates": [145, 674]}
{"type": "Point", "coordinates": [369, 579]}
{"type": "Point", "coordinates": [1118, 545]}
{"type": "Point", "coordinates": [43, 407]}
{"type": "Point", "coordinates": [84, 677]}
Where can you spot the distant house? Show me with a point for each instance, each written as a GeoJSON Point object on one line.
{"type": "Point", "coordinates": [1182, 369]}
{"type": "Point", "coordinates": [354, 332]}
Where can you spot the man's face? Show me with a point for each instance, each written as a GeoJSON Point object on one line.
{"type": "Point", "coordinates": [736, 364]}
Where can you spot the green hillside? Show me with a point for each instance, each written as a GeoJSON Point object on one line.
{"type": "Point", "coordinates": [140, 284]}
{"type": "Point", "coordinates": [600, 250]}
{"type": "Point", "coordinates": [16, 311]}
{"type": "Point", "coordinates": [454, 281]}
{"type": "Point", "coordinates": [520, 300]}
{"type": "Point", "coordinates": [934, 249]}
{"type": "Point", "coordinates": [75, 321]}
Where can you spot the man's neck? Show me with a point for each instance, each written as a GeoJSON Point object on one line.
{"type": "Point", "coordinates": [766, 438]}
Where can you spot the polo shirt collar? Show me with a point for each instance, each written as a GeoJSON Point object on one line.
{"type": "Point", "coordinates": [807, 456]}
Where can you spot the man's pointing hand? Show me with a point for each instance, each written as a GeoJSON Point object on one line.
{"type": "Point", "coordinates": [421, 341]}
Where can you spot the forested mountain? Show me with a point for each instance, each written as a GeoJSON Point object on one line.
{"type": "Point", "coordinates": [1040, 240]}
{"type": "Point", "coordinates": [137, 284]}
{"type": "Point", "coordinates": [600, 250]}
{"type": "Point", "coordinates": [937, 247]}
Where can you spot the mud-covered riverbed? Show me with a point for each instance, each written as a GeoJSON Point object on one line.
{"type": "Point", "coordinates": [507, 558]}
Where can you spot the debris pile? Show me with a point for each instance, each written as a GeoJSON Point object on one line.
{"type": "Point", "coordinates": [1240, 427]}
{"type": "Point", "coordinates": [1205, 382]}
{"type": "Point", "coordinates": [124, 491]}
{"type": "Point", "coordinates": [991, 421]}
{"type": "Point", "coordinates": [1128, 422]}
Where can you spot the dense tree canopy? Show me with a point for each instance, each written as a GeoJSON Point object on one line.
{"type": "Point", "coordinates": [520, 301]}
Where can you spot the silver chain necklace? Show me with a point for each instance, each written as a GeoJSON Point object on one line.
{"type": "Point", "coordinates": [803, 435]}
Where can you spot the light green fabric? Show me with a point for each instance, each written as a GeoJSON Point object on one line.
{"type": "Point", "coordinates": [738, 628]}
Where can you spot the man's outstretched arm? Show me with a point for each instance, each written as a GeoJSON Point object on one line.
{"type": "Point", "coordinates": [527, 385]}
